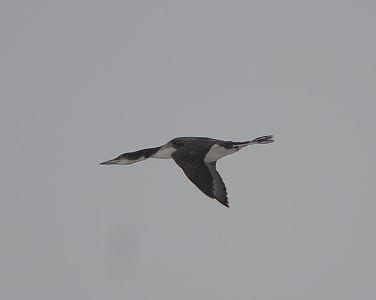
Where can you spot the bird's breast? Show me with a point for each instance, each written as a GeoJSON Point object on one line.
{"type": "Point", "coordinates": [216, 152]}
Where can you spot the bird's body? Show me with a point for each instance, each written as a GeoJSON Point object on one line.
{"type": "Point", "coordinates": [197, 156]}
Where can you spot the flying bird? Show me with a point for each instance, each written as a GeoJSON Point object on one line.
{"type": "Point", "coordinates": [197, 156]}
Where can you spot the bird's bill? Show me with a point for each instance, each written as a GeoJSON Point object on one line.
{"type": "Point", "coordinates": [108, 162]}
{"type": "Point", "coordinates": [122, 161]}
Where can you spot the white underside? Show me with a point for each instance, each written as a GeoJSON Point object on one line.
{"type": "Point", "coordinates": [216, 152]}
{"type": "Point", "coordinates": [164, 152]}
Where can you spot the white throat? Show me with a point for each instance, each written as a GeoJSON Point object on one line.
{"type": "Point", "coordinates": [164, 152]}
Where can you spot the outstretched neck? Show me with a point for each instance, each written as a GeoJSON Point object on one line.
{"type": "Point", "coordinates": [132, 157]}
{"type": "Point", "coordinates": [163, 152]}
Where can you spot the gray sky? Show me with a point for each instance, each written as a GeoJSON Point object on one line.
{"type": "Point", "coordinates": [83, 81]}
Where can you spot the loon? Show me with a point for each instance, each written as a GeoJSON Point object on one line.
{"type": "Point", "coordinates": [197, 156]}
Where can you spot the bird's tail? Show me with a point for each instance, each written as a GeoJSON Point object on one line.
{"type": "Point", "coordinates": [263, 140]}
{"type": "Point", "coordinates": [260, 140]}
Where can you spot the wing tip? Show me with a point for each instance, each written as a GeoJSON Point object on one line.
{"type": "Point", "coordinates": [224, 202]}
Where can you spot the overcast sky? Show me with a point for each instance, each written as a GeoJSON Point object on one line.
{"type": "Point", "coordinates": [84, 81]}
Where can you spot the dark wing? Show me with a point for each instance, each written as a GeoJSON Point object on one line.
{"type": "Point", "coordinates": [204, 176]}
{"type": "Point", "coordinates": [219, 188]}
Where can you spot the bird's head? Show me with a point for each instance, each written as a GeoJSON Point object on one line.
{"type": "Point", "coordinates": [177, 143]}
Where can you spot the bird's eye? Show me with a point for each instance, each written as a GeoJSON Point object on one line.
{"type": "Point", "coordinates": [178, 144]}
